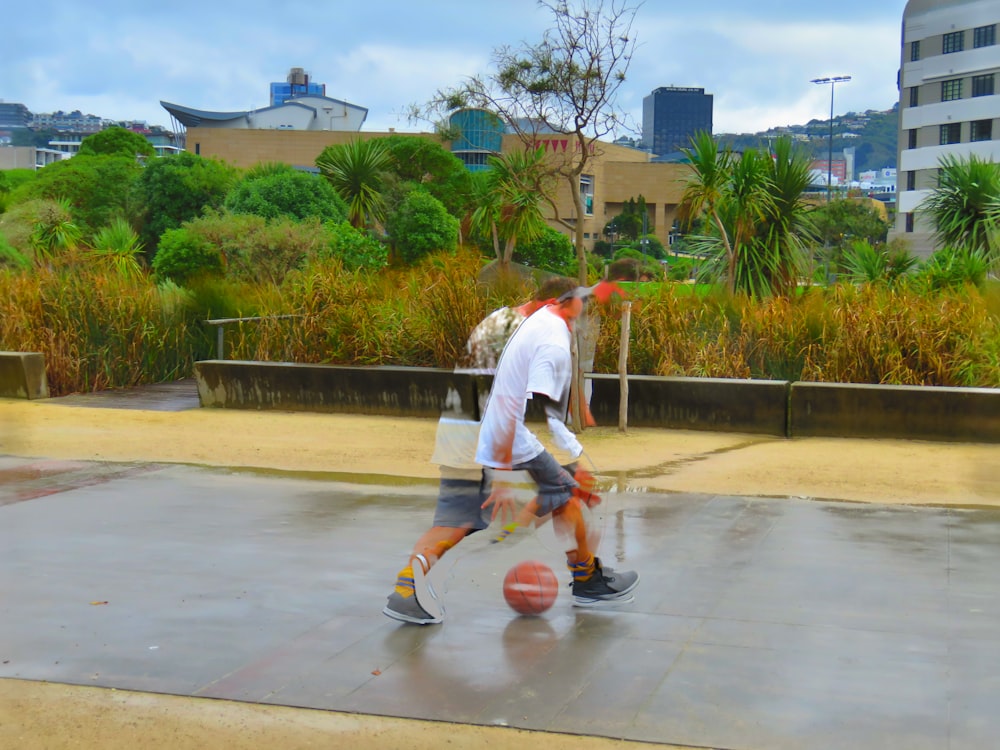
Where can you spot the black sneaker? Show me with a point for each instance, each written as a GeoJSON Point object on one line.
{"type": "Point", "coordinates": [607, 587]}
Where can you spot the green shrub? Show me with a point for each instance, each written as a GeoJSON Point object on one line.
{"type": "Point", "coordinates": [184, 256]}
{"type": "Point", "coordinates": [421, 225]}
{"type": "Point", "coordinates": [355, 249]}
{"type": "Point", "coordinates": [552, 251]}
{"type": "Point", "coordinates": [285, 192]}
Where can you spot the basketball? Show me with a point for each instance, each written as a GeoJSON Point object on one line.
{"type": "Point", "coordinates": [530, 587]}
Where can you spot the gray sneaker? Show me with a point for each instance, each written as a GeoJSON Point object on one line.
{"type": "Point", "coordinates": [607, 587]}
{"type": "Point", "coordinates": [407, 609]}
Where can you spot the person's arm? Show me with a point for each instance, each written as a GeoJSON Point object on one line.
{"type": "Point", "coordinates": [561, 435]}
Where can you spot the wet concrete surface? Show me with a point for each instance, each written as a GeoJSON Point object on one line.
{"type": "Point", "coordinates": [174, 396]}
{"type": "Point", "coordinates": [758, 623]}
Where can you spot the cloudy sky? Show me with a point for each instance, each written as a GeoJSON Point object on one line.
{"type": "Point", "coordinates": [119, 58]}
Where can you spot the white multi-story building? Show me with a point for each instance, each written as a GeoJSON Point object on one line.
{"type": "Point", "coordinates": [949, 100]}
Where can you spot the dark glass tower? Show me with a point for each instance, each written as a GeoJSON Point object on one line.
{"type": "Point", "coordinates": [671, 115]}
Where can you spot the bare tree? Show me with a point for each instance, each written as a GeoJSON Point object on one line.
{"type": "Point", "coordinates": [565, 85]}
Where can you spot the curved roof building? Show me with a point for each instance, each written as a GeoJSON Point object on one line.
{"type": "Point", "coordinates": [300, 113]}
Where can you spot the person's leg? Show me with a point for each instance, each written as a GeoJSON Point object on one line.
{"type": "Point", "coordinates": [593, 585]}
{"type": "Point", "coordinates": [458, 514]}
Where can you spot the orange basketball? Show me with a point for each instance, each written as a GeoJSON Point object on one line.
{"type": "Point", "coordinates": [530, 587]}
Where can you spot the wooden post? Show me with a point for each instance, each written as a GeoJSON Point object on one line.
{"type": "Point", "coordinates": [623, 367]}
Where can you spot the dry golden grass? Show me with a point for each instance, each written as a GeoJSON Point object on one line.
{"type": "Point", "coordinates": [99, 329]}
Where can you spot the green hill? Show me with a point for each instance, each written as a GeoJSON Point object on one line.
{"type": "Point", "coordinates": [872, 134]}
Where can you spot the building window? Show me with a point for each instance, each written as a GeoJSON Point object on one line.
{"type": "Point", "coordinates": [909, 222]}
{"type": "Point", "coordinates": [914, 51]}
{"type": "Point", "coordinates": [912, 138]}
{"type": "Point", "coordinates": [587, 193]}
{"type": "Point", "coordinates": [914, 96]}
{"type": "Point", "coordinates": [953, 42]}
{"type": "Point", "coordinates": [951, 90]}
{"type": "Point", "coordinates": [911, 180]}
{"type": "Point", "coordinates": [981, 130]}
{"type": "Point", "coordinates": [951, 133]}
{"type": "Point", "coordinates": [984, 36]}
{"type": "Point", "coordinates": [982, 85]}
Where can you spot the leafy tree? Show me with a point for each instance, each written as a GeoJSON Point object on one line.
{"type": "Point", "coordinates": [184, 257]}
{"type": "Point", "coordinates": [179, 188]}
{"type": "Point", "coordinates": [116, 141]}
{"type": "Point", "coordinates": [629, 223]}
{"type": "Point", "coordinates": [415, 159]}
{"type": "Point", "coordinates": [965, 207]}
{"type": "Point", "coordinates": [565, 84]}
{"type": "Point", "coordinates": [286, 192]}
{"type": "Point", "coordinates": [550, 251]}
{"type": "Point", "coordinates": [96, 189]}
{"type": "Point", "coordinates": [37, 138]}
{"type": "Point", "coordinates": [840, 222]}
{"type": "Point", "coordinates": [650, 245]}
{"type": "Point", "coordinates": [356, 171]}
{"type": "Point", "coordinates": [420, 226]}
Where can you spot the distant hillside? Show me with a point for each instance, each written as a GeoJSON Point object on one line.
{"type": "Point", "coordinates": [873, 134]}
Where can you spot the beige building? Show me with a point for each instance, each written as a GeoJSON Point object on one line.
{"type": "Point", "coordinates": [615, 173]}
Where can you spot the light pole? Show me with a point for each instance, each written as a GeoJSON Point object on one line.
{"type": "Point", "coordinates": [833, 81]}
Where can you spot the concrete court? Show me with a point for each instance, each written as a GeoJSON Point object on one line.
{"type": "Point", "coordinates": [759, 623]}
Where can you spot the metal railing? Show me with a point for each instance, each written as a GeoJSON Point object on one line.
{"type": "Point", "coordinates": [221, 323]}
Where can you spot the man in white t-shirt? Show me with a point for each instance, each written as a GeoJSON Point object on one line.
{"type": "Point", "coordinates": [464, 485]}
{"type": "Point", "coordinates": [536, 364]}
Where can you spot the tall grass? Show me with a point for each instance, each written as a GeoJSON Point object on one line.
{"type": "Point", "coordinates": [866, 334]}
{"type": "Point", "coordinates": [99, 329]}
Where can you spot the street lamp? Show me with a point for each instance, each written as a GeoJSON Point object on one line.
{"type": "Point", "coordinates": [833, 81]}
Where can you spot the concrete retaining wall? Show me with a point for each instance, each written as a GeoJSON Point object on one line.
{"type": "Point", "coordinates": [22, 375]}
{"type": "Point", "coordinates": [894, 411]}
{"type": "Point", "coordinates": [400, 391]}
{"type": "Point", "coordinates": [765, 407]}
{"type": "Point", "coordinates": [754, 406]}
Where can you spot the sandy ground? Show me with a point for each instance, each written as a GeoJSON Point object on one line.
{"type": "Point", "coordinates": [41, 715]}
{"type": "Point", "coordinates": [882, 471]}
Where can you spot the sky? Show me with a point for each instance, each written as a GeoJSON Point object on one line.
{"type": "Point", "coordinates": [119, 58]}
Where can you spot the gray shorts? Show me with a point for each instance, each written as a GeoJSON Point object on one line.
{"type": "Point", "coordinates": [555, 484]}
{"type": "Point", "coordinates": [460, 501]}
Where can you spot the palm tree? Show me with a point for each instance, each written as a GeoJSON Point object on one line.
{"type": "Point", "coordinates": [119, 246]}
{"type": "Point", "coordinates": [787, 226]}
{"type": "Point", "coordinates": [508, 200]}
{"type": "Point", "coordinates": [356, 171]}
{"type": "Point", "coordinates": [708, 188]}
{"type": "Point", "coordinates": [754, 205]}
{"type": "Point", "coordinates": [965, 207]}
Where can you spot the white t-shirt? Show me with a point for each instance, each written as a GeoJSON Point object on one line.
{"type": "Point", "coordinates": [536, 359]}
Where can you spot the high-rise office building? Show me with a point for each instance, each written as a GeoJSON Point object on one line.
{"type": "Point", "coordinates": [949, 100]}
{"type": "Point", "coordinates": [297, 84]}
{"type": "Point", "coordinates": [13, 115]}
{"type": "Point", "coordinates": [672, 115]}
